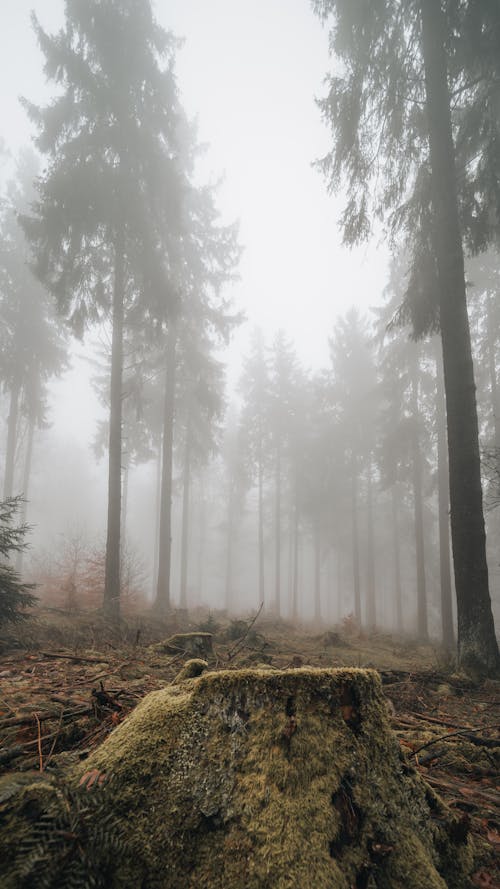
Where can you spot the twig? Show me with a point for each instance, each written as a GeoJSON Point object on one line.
{"type": "Point", "coordinates": [54, 742]}
{"type": "Point", "coordinates": [468, 733]}
{"type": "Point", "coordinates": [239, 644]}
{"type": "Point", "coordinates": [50, 714]}
{"type": "Point", "coordinates": [39, 742]}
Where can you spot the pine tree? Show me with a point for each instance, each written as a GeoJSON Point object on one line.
{"type": "Point", "coordinates": [15, 596]}
{"type": "Point", "coordinates": [391, 112]}
{"type": "Point", "coordinates": [110, 191]}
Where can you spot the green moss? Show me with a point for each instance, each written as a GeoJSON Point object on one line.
{"type": "Point", "coordinates": [191, 669]}
{"type": "Point", "coordinates": [258, 778]}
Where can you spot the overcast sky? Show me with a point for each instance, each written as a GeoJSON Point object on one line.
{"type": "Point", "coordinates": [249, 72]}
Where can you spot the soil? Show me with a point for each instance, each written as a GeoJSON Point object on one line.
{"type": "Point", "coordinates": [66, 681]}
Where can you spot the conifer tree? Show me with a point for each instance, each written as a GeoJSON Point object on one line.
{"type": "Point", "coordinates": [110, 191]}
{"type": "Point", "coordinates": [395, 144]}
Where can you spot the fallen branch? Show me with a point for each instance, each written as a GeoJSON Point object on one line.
{"type": "Point", "coordinates": [239, 643]}
{"type": "Point", "coordinates": [75, 657]}
{"type": "Point", "coordinates": [467, 733]}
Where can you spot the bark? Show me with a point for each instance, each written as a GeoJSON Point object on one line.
{"type": "Point", "coordinates": [371, 606]}
{"type": "Point", "coordinates": [162, 602]}
{"type": "Point", "coordinates": [186, 485]}
{"type": "Point", "coordinates": [10, 455]}
{"type": "Point", "coordinates": [111, 603]}
{"type": "Point", "coordinates": [397, 558]}
{"type": "Point", "coordinates": [477, 646]}
{"type": "Point", "coordinates": [448, 634]}
{"type": "Point", "coordinates": [418, 505]}
{"type": "Point", "coordinates": [355, 540]}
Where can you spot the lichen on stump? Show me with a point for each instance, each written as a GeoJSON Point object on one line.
{"type": "Point", "coordinates": [273, 780]}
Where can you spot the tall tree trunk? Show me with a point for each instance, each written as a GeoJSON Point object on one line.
{"type": "Point", "coordinates": [229, 552]}
{"type": "Point", "coordinates": [10, 454]}
{"type": "Point", "coordinates": [277, 531]}
{"type": "Point", "coordinates": [26, 484]}
{"type": "Point", "coordinates": [355, 539]}
{"type": "Point", "coordinates": [397, 557]}
{"type": "Point", "coordinates": [418, 504]}
{"type": "Point", "coordinates": [162, 602]}
{"type": "Point", "coordinates": [201, 539]}
{"type": "Point", "coordinates": [186, 485]}
{"type": "Point", "coordinates": [491, 334]}
{"type": "Point", "coordinates": [156, 550]}
{"type": "Point", "coordinates": [448, 634]}
{"type": "Point", "coordinates": [111, 603]}
{"type": "Point", "coordinates": [371, 605]}
{"type": "Point", "coordinates": [477, 645]}
{"type": "Point", "coordinates": [261, 521]}
{"type": "Point", "coordinates": [125, 486]}
{"type": "Point", "coordinates": [295, 570]}
{"type": "Point", "coordinates": [317, 570]}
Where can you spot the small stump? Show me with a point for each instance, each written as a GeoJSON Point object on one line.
{"type": "Point", "coordinates": [192, 644]}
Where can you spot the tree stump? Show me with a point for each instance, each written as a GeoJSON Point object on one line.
{"type": "Point", "coordinates": [256, 779]}
{"type": "Point", "coordinates": [192, 644]}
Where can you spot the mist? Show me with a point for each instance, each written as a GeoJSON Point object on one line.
{"type": "Point", "coordinates": [252, 418]}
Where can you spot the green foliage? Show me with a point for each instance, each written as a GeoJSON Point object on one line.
{"type": "Point", "coordinates": [15, 596]}
{"type": "Point", "coordinates": [74, 843]}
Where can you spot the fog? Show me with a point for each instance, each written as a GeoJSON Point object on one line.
{"type": "Point", "coordinates": [272, 420]}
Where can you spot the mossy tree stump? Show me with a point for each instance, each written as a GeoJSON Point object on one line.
{"type": "Point", "coordinates": [192, 644]}
{"type": "Point", "coordinates": [271, 780]}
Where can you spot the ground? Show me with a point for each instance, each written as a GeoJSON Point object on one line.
{"type": "Point", "coordinates": [67, 681]}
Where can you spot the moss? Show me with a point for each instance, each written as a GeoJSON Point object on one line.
{"type": "Point", "coordinates": [191, 669]}
{"type": "Point", "coordinates": [258, 778]}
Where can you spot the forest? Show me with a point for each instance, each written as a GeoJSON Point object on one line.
{"type": "Point", "coordinates": [247, 612]}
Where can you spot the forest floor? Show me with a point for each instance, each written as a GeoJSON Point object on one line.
{"type": "Point", "coordinates": [66, 681]}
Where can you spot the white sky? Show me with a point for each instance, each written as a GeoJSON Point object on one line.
{"type": "Point", "coordinates": [249, 73]}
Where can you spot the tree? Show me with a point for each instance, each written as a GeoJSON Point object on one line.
{"type": "Point", "coordinates": [15, 596]}
{"type": "Point", "coordinates": [32, 343]}
{"type": "Point", "coordinates": [111, 181]}
{"type": "Point", "coordinates": [391, 113]}
{"type": "Point", "coordinates": [255, 387]}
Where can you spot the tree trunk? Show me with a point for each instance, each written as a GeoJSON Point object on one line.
{"type": "Point", "coordinates": [261, 523]}
{"type": "Point", "coordinates": [156, 551]}
{"type": "Point", "coordinates": [229, 552]}
{"type": "Point", "coordinates": [355, 540]}
{"type": "Point", "coordinates": [10, 454]}
{"type": "Point", "coordinates": [162, 602]}
{"type": "Point", "coordinates": [186, 484]}
{"type": "Point", "coordinates": [448, 634]}
{"type": "Point", "coordinates": [201, 540]}
{"type": "Point", "coordinates": [317, 570]}
{"type": "Point", "coordinates": [26, 483]}
{"type": "Point", "coordinates": [492, 367]}
{"type": "Point", "coordinates": [111, 603]}
{"type": "Point", "coordinates": [277, 531]}
{"type": "Point", "coordinates": [371, 605]}
{"type": "Point", "coordinates": [397, 558]}
{"type": "Point", "coordinates": [125, 485]}
{"type": "Point", "coordinates": [477, 645]}
{"type": "Point", "coordinates": [418, 504]}
{"type": "Point", "coordinates": [295, 570]}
